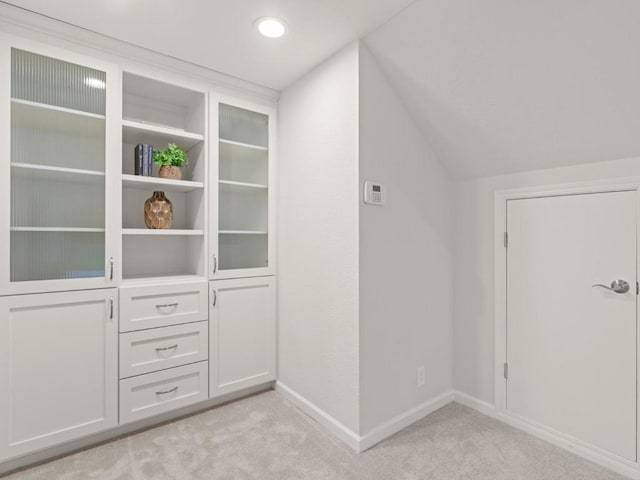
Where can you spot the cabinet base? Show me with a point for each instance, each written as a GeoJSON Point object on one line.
{"type": "Point", "coordinates": [91, 441]}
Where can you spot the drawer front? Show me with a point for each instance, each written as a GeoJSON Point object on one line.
{"type": "Point", "coordinates": [154, 393]}
{"type": "Point", "coordinates": [162, 305]}
{"type": "Point", "coordinates": [161, 348]}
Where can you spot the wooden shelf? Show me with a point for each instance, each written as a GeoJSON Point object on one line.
{"type": "Point", "coordinates": [134, 132]}
{"type": "Point", "coordinates": [161, 232]}
{"type": "Point", "coordinates": [231, 183]}
{"type": "Point", "coordinates": [243, 145]}
{"type": "Point", "coordinates": [155, 183]}
{"type": "Point", "coordinates": [56, 108]}
{"type": "Point", "coordinates": [57, 229]}
{"type": "Point", "coordinates": [242, 232]}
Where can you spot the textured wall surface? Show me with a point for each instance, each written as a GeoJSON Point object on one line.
{"type": "Point", "coordinates": [318, 237]}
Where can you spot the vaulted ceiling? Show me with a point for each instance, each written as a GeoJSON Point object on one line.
{"type": "Point", "coordinates": [496, 86]}
{"type": "Point", "coordinates": [502, 86]}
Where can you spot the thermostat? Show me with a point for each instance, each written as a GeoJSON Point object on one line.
{"type": "Point", "coordinates": [373, 193]}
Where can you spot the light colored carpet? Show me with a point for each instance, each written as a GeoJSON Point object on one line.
{"type": "Point", "coordinates": [265, 437]}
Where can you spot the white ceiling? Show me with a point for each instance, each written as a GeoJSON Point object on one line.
{"type": "Point", "coordinates": [501, 86]}
{"type": "Point", "coordinates": [219, 34]}
{"type": "Point", "coordinates": [496, 86]}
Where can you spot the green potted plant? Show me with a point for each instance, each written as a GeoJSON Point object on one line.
{"type": "Point", "coordinates": [170, 161]}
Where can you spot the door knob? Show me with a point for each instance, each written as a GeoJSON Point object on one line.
{"type": "Point", "coordinates": [617, 286]}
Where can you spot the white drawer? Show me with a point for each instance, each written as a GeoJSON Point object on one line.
{"type": "Point", "coordinates": [161, 348]}
{"type": "Point", "coordinates": [158, 392]}
{"type": "Point", "coordinates": [162, 305]}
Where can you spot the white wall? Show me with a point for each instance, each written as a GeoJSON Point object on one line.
{"type": "Point", "coordinates": [318, 237]}
{"type": "Point", "coordinates": [406, 265]}
{"type": "Point", "coordinates": [503, 86]}
{"type": "Point", "coordinates": [473, 264]}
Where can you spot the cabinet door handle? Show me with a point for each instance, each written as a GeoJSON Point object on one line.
{"type": "Point", "coordinates": [167, 305]}
{"type": "Point", "coordinates": [171, 390]}
{"type": "Point", "coordinates": [110, 268]}
{"type": "Point", "coordinates": [215, 297]}
{"type": "Point", "coordinates": [164, 349]}
{"type": "Point", "coordinates": [215, 263]}
{"type": "Point", "coordinates": [111, 308]}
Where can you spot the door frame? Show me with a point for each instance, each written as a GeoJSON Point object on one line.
{"type": "Point", "coordinates": [578, 447]}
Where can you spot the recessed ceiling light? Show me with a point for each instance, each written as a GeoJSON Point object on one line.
{"type": "Point", "coordinates": [95, 83]}
{"type": "Point", "coordinates": [271, 27]}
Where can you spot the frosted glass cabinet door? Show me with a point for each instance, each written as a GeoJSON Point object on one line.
{"type": "Point", "coordinates": [58, 142]}
{"type": "Point", "coordinates": [243, 205]}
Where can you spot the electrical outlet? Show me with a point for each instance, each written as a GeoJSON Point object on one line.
{"type": "Point", "coordinates": [421, 376]}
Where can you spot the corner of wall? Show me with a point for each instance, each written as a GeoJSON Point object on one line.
{"type": "Point", "coordinates": [318, 309]}
{"type": "Point", "coordinates": [406, 272]}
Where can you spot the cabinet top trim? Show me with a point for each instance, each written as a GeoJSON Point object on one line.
{"type": "Point", "coordinates": [16, 20]}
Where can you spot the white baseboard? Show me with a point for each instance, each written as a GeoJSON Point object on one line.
{"type": "Point", "coordinates": [403, 420]}
{"type": "Point", "coordinates": [475, 403]}
{"type": "Point", "coordinates": [586, 451]}
{"type": "Point", "coordinates": [338, 429]}
{"type": "Point", "coordinates": [375, 436]}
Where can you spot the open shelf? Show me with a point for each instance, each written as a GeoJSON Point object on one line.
{"type": "Point", "coordinates": [155, 183]}
{"type": "Point", "coordinates": [134, 132]}
{"type": "Point", "coordinates": [161, 232]}
{"type": "Point", "coordinates": [158, 113]}
{"type": "Point", "coordinates": [163, 257]}
{"type": "Point", "coordinates": [56, 108]}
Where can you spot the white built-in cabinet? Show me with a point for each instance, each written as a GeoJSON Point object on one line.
{"type": "Point", "coordinates": [242, 200]}
{"type": "Point", "coordinates": [242, 333]}
{"type": "Point", "coordinates": [59, 138]}
{"type": "Point", "coordinates": [158, 113]}
{"type": "Point", "coordinates": [164, 348]}
{"type": "Point", "coordinates": [104, 322]}
{"type": "Point", "coordinates": [58, 368]}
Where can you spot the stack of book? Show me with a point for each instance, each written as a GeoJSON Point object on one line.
{"type": "Point", "coordinates": [143, 160]}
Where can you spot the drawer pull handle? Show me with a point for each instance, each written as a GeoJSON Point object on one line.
{"type": "Point", "coordinates": [164, 349]}
{"type": "Point", "coordinates": [167, 305]}
{"type": "Point", "coordinates": [171, 390]}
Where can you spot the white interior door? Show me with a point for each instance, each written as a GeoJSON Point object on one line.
{"type": "Point", "coordinates": [571, 347]}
